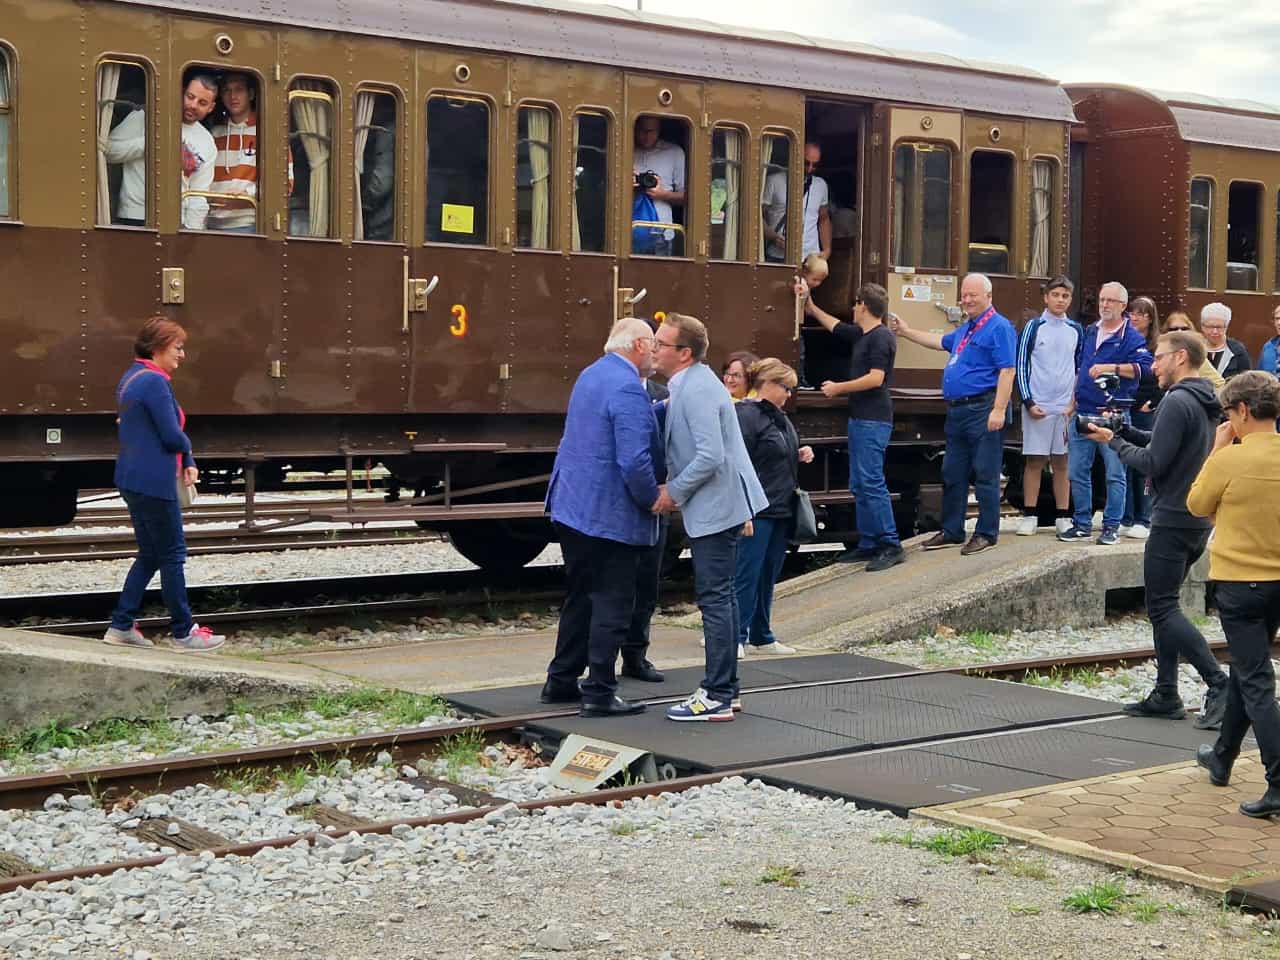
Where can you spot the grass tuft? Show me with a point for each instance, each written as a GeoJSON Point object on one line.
{"type": "Point", "coordinates": [461, 750]}
{"type": "Point", "coordinates": [1107, 898]}
{"type": "Point", "coordinates": [782, 875]}
{"type": "Point", "coordinates": [962, 843]}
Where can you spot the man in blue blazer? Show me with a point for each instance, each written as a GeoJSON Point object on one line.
{"type": "Point", "coordinates": [712, 482]}
{"type": "Point", "coordinates": [601, 498]}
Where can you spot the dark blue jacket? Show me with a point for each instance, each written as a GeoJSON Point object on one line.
{"type": "Point", "coordinates": [1268, 357]}
{"type": "Point", "coordinates": [1126, 345]}
{"type": "Point", "coordinates": [603, 482]}
{"type": "Point", "coordinates": [150, 438]}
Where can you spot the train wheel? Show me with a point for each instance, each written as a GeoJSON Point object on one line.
{"type": "Point", "coordinates": [500, 546]}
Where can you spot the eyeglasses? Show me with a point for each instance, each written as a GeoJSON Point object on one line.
{"type": "Point", "coordinates": [1212, 326]}
{"type": "Point", "coordinates": [733, 376]}
{"type": "Point", "coordinates": [1177, 329]}
{"type": "Point", "coordinates": [1109, 300]}
{"type": "Point", "coordinates": [659, 344]}
{"type": "Point", "coordinates": [1167, 353]}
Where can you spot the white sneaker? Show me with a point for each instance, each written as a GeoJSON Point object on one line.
{"type": "Point", "coordinates": [1137, 532]}
{"type": "Point", "coordinates": [1124, 530]}
{"type": "Point", "coordinates": [1062, 524]}
{"type": "Point", "coordinates": [1027, 526]}
{"type": "Point", "coordinates": [773, 649]}
{"type": "Point", "coordinates": [742, 651]}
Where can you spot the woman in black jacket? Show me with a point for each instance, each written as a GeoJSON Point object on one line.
{"type": "Point", "coordinates": [1136, 522]}
{"type": "Point", "coordinates": [775, 453]}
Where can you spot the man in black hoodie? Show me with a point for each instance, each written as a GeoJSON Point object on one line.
{"type": "Point", "coordinates": [1171, 455]}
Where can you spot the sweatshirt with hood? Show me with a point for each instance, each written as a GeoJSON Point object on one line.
{"type": "Point", "coordinates": [1175, 448]}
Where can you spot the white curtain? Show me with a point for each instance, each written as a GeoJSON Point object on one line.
{"type": "Point", "coordinates": [1041, 216]}
{"type": "Point", "coordinates": [733, 192]}
{"type": "Point", "coordinates": [108, 85]}
{"type": "Point", "coordinates": [4, 136]}
{"type": "Point", "coordinates": [766, 150]}
{"type": "Point", "coordinates": [364, 117]}
{"type": "Point", "coordinates": [313, 120]}
{"type": "Point", "coordinates": [539, 147]}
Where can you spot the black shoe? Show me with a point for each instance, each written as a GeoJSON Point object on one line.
{"type": "Point", "coordinates": [1267, 806]}
{"type": "Point", "coordinates": [642, 669]}
{"type": "Point", "coordinates": [1219, 772]}
{"type": "Point", "coordinates": [1156, 705]}
{"type": "Point", "coordinates": [1214, 709]}
{"type": "Point", "coordinates": [858, 555]}
{"type": "Point", "coordinates": [977, 543]}
{"type": "Point", "coordinates": [886, 558]}
{"type": "Point", "coordinates": [615, 707]}
{"type": "Point", "coordinates": [555, 692]}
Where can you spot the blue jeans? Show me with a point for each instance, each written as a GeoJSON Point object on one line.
{"type": "Point", "coordinates": [1137, 497]}
{"type": "Point", "coordinates": [760, 558]}
{"type": "Point", "coordinates": [873, 510]}
{"type": "Point", "coordinates": [1080, 454]}
{"type": "Point", "coordinates": [974, 452]}
{"type": "Point", "coordinates": [157, 525]}
{"type": "Point", "coordinates": [715, 559]}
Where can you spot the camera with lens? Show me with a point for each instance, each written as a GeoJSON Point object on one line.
{"type": "Point", "coordinates": [1112, 415]}
{"type": "Point", "coordinates": [646, 180]}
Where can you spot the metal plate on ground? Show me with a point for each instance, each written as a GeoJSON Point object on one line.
{"type": "Point", "coordinates": [1066, 753]}
{"type": "Point", "coordinates": [583, 763]}
{"type": "Point", "coordinates": [1017, 703]}
{"type": "Point", "coordinates": [1171, 733]}
{"type": "Point", "coordinates": [1260, 894]}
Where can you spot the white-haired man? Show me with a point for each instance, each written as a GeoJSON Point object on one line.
{"type": "Point", "coordinates": [976, 383]}
{"type": "Point", "coordinates": [600, 494]}
{"type": "Point", "coordinates": [1225, 355]}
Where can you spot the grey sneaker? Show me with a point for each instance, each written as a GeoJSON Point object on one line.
{"type": "Point", "coordinates": [126, 638]}
{"type": "Point", "coordinates": [1214, 709]}
{"type": "Point", "coordinates": [1108, 536]}
{"type": "Point", "coordinates": [199, 640]}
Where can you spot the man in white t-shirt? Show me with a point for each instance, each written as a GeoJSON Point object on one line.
{"type": "Point", "coordinates": [816, 211]}
{"type": "Point", "coordinates": [666, 162]}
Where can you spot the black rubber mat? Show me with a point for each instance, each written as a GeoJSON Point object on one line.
{"type": "Point", "coordinates": [1017, 703]}
{"type": "Point", "coordinates": [1262, 895]}
{"type": "Point", "coordinates": [1172, 733]}
{"type": "Point", "coordinates": [901, 780]}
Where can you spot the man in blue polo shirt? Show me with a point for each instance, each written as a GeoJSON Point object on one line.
{"type": "Point", "coordinates": [976, 383]}
{"type": "Point", "coordinates": [1111, 346]}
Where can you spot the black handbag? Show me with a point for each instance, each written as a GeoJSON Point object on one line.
{"type": "Point", "coordinates": [804, 523]}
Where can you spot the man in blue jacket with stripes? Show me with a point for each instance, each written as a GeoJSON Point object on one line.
{"type": "Point", "coordinates": [1111, 346]}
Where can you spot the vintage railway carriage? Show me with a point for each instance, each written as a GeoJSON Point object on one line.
{"type": "Point", "coordinates": [442, 230]}
{"type": "Point", "coordinates": [1178, 196]}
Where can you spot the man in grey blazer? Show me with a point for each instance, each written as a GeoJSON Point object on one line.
{"type": "Point", "coordinates": [712, 483]}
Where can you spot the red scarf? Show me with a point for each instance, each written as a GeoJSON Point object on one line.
{"type": "Point", "coordinates": [182, 414]}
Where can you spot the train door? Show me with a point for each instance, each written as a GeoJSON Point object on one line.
{"type": "Point", "coordinates": [221, 255]}
{"type": "Point", "coordinates": [460, 299]}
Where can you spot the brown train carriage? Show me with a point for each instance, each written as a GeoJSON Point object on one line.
{"type": "Point", "coordinates": [316, 338]}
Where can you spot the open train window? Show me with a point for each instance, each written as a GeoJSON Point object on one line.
{"type": "Point", "coordinates": [1043, 226]}
{"type": "Point", "coordinates": [1244, 222]}
{"type": "Point", "coordinates": [658, 196]}
{"type": "Point", "coordinates": [590, 182]}
{"type": "Point", "coordinates": [233, 196]}
{"type": "Point", "coordinates": [922, 205]}
{"type": "Point", "coordinates": [6, 137]}
{"type": "Point", "coordinates": [534, 200]}
{"type": "Point", "coordinates": [311, 119]}
{"type": "Point", "coordinates": [728, 146]}
{"type": "Point", "coordinates": [775, 176]}
{"type": "Point", "coordinates": [375, 158]}
{"type": "Point", "coordinates": [122, 96]}
{"type": "Point", "coordinates": [990, 211]}
{"type": "Point", "coordinates": [457, 170]}
{"type": "Point", "coordinates": [1199, 233]}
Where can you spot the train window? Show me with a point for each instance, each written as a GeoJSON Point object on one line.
{"type": "Point", "coordinates": [375, 158]}
{"type": "Point", "coordinates": [727, 145]}
{"type": "Point", "coordinates": [1244, 222]}
{"type": "Point", "coordinates": [1276, 283]}
{"type": "Point", "coordinates": [1200, 239]}
{"type": "Point", "coordinates": [922, 205]}
{"type": "Point", "coordinates": [1042, 230]}
{"type": "Point", "coordinates": [122, 96]}
{"type": "Point", "coordinates": [233, 194]}
{"type": "Point", "coordinates": [6, 113]}
{"type": "Point", "coordinates": [990, 211]}
{"type": "Point", "coordinates": [534, 201]}
{"type": "Point", "coordinates": [775, 175]}
{"type": "Point", "coordinates": [311, 116]}
{"type": "Point", "coordinates": [590, 182]}
{"type": "Point", "coordinates": [457, 170]}
{"type": "Point", "coordinates": [658, 198]}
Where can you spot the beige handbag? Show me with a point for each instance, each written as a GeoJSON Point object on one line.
{"type": "Point", "coordinates": [186, 493]}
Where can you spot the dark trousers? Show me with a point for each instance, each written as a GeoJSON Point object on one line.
{"type": "Point", "coordinates": [715, 559]}
{"type": "Point", "coordinates": [1137, 495]}
{"type": "Point", "coordinates": [1169, 555]}
{"type": "Point", "coordinates": [157, 525]}
{"type": "Point", "coordinates": [1250, 614]}
{"type": "Point", "coordinates": [648, 578]}
{"type": "Point", "coordinates": [973, 452]}
{"type": "Point", "coordinates": [760, 558]}
{"type": "Point", "coordinates": [601, 580]}
{"type": "Point", "coordinates": [872, 506]}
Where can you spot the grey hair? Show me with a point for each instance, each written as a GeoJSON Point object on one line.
{"type": "Point", "coordinates": [1219, 311]}
{"type": "Point", "coordinates": [625, 333]}
{"type": "Point", "coordinates": [1124, 294]}
{"type": "Point", "coordinates": [986, 281]}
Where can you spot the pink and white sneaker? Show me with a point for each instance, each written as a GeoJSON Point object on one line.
{"type": "Point", "coordinates": [199, 640]}
{"type": "Point", "coordinates": [126, 638]}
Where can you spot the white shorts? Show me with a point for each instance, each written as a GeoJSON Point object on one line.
{"type": "Point", "coordinates": [1044, 437]}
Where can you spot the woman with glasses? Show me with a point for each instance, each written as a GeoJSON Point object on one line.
{"type": "Point", "coordinates": [776, 454]}
{"type": "Point", "coordinates": [734, 373]}
{"type": "Point", "coordinates": [1178, 320]}
{"type": "Point", "coordinates": [1136, 522]}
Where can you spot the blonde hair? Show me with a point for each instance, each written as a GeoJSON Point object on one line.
{"type": "Point", "coordinates": [814, 265]}
{"type": "Point", "coordinates": [771, 370]}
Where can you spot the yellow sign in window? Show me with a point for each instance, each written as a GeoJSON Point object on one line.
{"type": "Point", "coordinates": [456, 218]}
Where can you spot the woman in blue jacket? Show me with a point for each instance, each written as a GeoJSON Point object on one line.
{"type": "Point", "coordinates": [154, 463]}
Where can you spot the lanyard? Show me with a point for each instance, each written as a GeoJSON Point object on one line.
{"type": "Point", "coordinates": [974, 327]}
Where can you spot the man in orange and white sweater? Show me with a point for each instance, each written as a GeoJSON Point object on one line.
{"type": "Point", "coordinates": [236, 171]}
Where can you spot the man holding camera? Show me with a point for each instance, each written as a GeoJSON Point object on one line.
{"type": "Point", "coordinates": [659, 172]}
{"type": "Point", "coordinates": [1112, 349]}
{"type": "Point", "coordinates": [1171, 455]}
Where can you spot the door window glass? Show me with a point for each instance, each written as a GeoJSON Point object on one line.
{"type": "Point", "coordinates": [1043, 226]}
{"type": "Point", "coordinates": [775, 175]}
{"type": "Point", "coordinates": [311, 116]}
{"type": "Point", "coordinates": [922, 205]}
{"type": "Point", "coordinates": [375, 154]}
{"type": "Point", "coordinates": [534, 202]}
{"type": "Point", "coordinates": [122, 96]}
{"type": "Point", "coordinates": [726, 194]}
{"type": "Point", "coordinates": [457, 170]}
{"type": "Point", "coordinates": [1199, 238]}
{"type": "Point", "coordinates": [1244, 216]}
{"type": "Point", "coordinates": [990, 211]}
{"type": "Point", "coordinates": [590, 182]}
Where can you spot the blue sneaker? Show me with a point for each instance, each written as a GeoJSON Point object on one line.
{"type": "Point", "coordinates": [700, 706]}
{"type": "Point", "coordinates": [1075, 534]}
{"type": "Point", "coordinates": [1108, 536]}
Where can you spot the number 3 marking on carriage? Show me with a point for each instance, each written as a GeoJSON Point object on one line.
{"type": "Point", "coordinates": [459, 326]}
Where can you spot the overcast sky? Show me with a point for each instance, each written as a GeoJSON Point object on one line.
{"type": "Point", "coordinates": [1222, 48]}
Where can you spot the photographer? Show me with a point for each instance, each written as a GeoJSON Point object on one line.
{"type": "Point", "coordinates": [658, 167]}
{"type": "Point", "coordinates": [1171, 455]}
